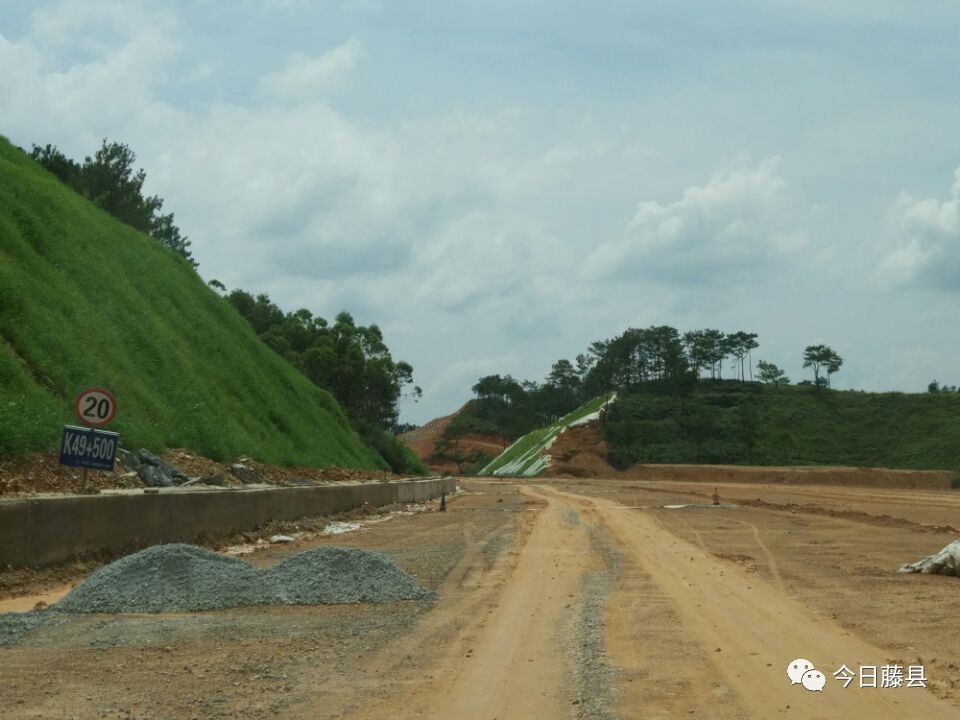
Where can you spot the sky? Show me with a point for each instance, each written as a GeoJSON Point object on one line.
{"type": "Point", "coordinates": [498, 184]}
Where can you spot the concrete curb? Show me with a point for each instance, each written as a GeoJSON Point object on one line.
{"type": "Point", "coordinates": [43, 531]}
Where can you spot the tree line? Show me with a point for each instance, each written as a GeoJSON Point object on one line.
{"type": "Point", "coordinates": [350, 361]}
{"type": "Point", "coordinates": [108, 180]}
{"type": "Point", "coordinates": [935, 388]}
{"type": "Point", "coordinates": [659, 354]}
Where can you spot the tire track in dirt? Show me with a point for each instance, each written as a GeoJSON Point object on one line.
{"type": "Point", "coordinates": [824, 495]}
{"type": "Point", "coordinates": [518, 667]}
{"type": "Point", "coordinates": [391, 678]}
{"type": "Point", "coordinates": [771, 560]}
{"type": "Point", "coordinates": [750, 630]}
{"type": "Point", "coordinates": [504, 653]}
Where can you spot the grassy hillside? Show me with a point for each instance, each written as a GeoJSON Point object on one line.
{"type": "Point", "coordinates": [85, 300]}
{"type": "Point", "coordinates": [731, 422]}
{"type": "Point", "coordinates": [528, 455]}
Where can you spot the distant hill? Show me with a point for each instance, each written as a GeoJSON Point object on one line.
{"type": "Point", "coordinates": [455, 443]}
{"type": "Point", "coordinates": [729, 422]}
{"type": "Point", "coordinates": [86, 300]}
{"type": "Point", "coordinates": [423, 440]}
{"type": "Point", "coordinates": [734, 423]}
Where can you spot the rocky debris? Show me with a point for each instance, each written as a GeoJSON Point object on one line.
{"type": "Point", "coordinates": [38, 473]}
{"type": "Point", "coordinates": [42, 473]}
{"type": "Point", "coordinates": [244, 474]}
{"type": "Point", "coordinates": [216, 479]}
{"type": "Point", "coordinates": [186, 578]}
{"type": "Point", "coordinates": [153, 470]}
{"type": "Point", "coordinates": [339, 528]}
{"type": "Point", "coordinates": [945, 562]}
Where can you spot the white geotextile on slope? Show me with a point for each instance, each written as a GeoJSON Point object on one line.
{"type": "Point", "coordinates": [945, 562]}
{"type": "Point", "coordinates": [519, 466]}
{"type": "Point", "coordinates": [535, 460]}
{"type": "Point", "coordinates": [587, 419]}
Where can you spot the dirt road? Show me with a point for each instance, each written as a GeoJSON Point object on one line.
{"type": "Point", "coordinates": [581, 599]}
{"type": "Point", "coordinates": [752, 627]}
{"type": "Point", "coordinates": [735, 631]}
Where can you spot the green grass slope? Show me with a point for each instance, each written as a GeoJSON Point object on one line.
{"type": "Point", "coordinates": [528, 455]}
{"type": "Point", "coordinates": [730, 422]}
{"type": "Point", "coordinates": [86, 300]}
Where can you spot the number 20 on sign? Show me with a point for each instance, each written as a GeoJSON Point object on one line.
{"type": "Point", "coordinates": [89, 447]}
{"type": "Point", "coordinates": [95, 406]}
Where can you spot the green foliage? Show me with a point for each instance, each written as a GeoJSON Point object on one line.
{"type": "Point", "coordinates": [480, 461]}
{"type": "Point", "coordinates": [468, 421]}
{"type": "Point", "coordinates": [351, 361]}
{"type": "Point", "coordinates": [110, 182]}
{"type": "Point", "coordinates": [397, 455]}
{"type": "Point", "coordinates": [728, 422]}
{"type": "Point", "coordinates": [821, 357]}
{"type": "Point", "coordinates": [87, 300]}
{"type": "Point", "coordinates": [658, 354]}
{"type": "Point", "coordinates": [771, 374]}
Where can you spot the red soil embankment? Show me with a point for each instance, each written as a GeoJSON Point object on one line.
{"type": "Point", "coordinates": [423, 441]}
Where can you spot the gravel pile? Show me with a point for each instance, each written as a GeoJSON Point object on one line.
{"type": "Point", "coordinates": [331, 575]}
{"type": "Point", "coordinates": [164, 578]}
{"type": "Point", "coordinates": [14, 626]}
{"type": "Point", "coordinates": [186, 578]}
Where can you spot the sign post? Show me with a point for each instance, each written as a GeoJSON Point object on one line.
{"type": "Point", "coordinates": [89, 447]}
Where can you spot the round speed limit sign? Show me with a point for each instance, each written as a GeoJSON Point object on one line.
{"type": "Point", "coordinates": [95, 406]}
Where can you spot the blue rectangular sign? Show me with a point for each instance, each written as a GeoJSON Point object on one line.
{"type": "Point", "coordinates": [88, 448]}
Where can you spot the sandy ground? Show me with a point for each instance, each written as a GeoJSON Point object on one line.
{"type": "Point", "coordinates": [561, 598]}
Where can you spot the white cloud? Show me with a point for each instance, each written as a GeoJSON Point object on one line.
{"type": "Point", "coordinates": [926, 246]}
{"type": "Point", "coordinates": [125, 52]}
{"type": "Point", "coordinates": [484, 214]}
{"type": "Point", "coordinates": [306, 77]}
{"type": "Point", "coordinates": [89, 24]}
{"type": "Point", "coordinates": [735, 223]}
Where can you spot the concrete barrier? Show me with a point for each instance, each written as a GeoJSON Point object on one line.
{"type": "Point", "coordinates": [41, 531]}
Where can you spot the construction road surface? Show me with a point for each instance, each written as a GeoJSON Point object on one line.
{"type": "Point", "coordinates": [579, 599]}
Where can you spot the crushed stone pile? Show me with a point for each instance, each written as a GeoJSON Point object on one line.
{"type": "Point", "coordinates": [331, 575]}
{"type": "Point", "coordinates": [164, 578]}
{"type": "Point", "coordinates": [945, 562]}
{"type": "Point", "coordinates": [13, 626]}
{"type": "Point", "coordinates": [186, 578]}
